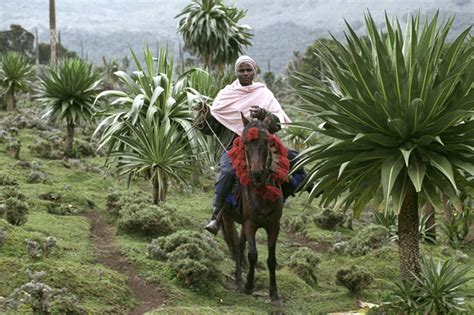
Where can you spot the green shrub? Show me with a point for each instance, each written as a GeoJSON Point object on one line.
{"type": "Point", "coordinates": [117, 201]}
{"type": "Point", "coordinates": [13, 148]}
{"type": "Point", "coordinates": [41, 298]}
{"type": "Point", "coordinates": [3, 236]}
{"type": "Point", "coordinates": [354, 279]}
{"type": "Point", "coordinates": [297, 224]}
{"type": "Point", "coordinates": [438, 289]}
{"type": "Point", "coordinates": [329, 219]}
{"type": "Point", "coordinates": [190, 272]}
{"type": "Point", "coordinates": [304, 262]}
{"type": "Point", "coordinates": [50, 196]}
{"type": "Point", "coordinates": [37, 177]}
{"type": "Point", "coordinates": [6, 180]}
{"type": "Point", "coordinates": [34, 249]}
{"type": "Point", "coordinates": [191, 257]}
{"type": "Point", "coordinates": [148, 220]}
{"type": "Point", "coordinates": [62, 209]}
{"type": "Point", "coordinates": [457, 229]}
{"type": "Point", "coordinates": [12, 192]}
{"type": "Point", "coordinates": [83, 149]}
{"type": "Point", "coordinates": [41, 149]}
{"type": "Point", "coordinates": [16, 211]}
{"type": "Point", "coordinates": [367, 239]}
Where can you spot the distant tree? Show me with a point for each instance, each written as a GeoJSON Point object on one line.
{"type": "Point", "coordinates": [310, 62]}
{"type": "Point", "coordinates": [211, 30]}
{"type": "Point", "coordinates": [69, 91]}
{"type": "Point", "coordinates": [277, 84]}
{"type": "Point", "coordinates": [45, 53]}
{"type": "Point", "coordinates": [52, 30]}
{"type": "Point", "coordinates": [15, 72]}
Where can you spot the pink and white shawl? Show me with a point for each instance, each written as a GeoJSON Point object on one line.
{"type": "Point", "coordinates": [235, 98]}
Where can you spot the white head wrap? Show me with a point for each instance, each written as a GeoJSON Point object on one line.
{"type": "Point", "coordinates": [248, 60]}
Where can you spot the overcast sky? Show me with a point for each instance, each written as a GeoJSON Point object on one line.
{"type": "Point", "coordinates": [158, 15]}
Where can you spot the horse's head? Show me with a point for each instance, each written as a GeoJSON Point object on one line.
{"type": "Point", "coordinates": [257, 149]}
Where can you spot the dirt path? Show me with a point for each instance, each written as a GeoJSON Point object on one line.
{"type": "Point", "coordinates": [298, 240]}
{"type": "Point", "coordinates": [150, 296]}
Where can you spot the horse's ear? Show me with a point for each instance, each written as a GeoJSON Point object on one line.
{"type": "Point", "coordinates": [244, 120]}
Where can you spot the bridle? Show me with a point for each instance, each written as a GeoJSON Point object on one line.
{"type": "Point", "coordinates": [266, 171]}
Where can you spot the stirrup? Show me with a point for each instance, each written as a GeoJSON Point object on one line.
{"type": "Point", "coordinates": [213, 226]}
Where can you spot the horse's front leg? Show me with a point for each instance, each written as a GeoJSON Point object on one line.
{"type": "Point", "coordinates": [234, 243]}
{"type": "Point", "coordinates": [252, 255]}
{"type": "Point", "coordinates": [272, 235]}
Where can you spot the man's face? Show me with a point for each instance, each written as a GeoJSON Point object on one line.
{"type": "Point", "coordinates": [245, 73]}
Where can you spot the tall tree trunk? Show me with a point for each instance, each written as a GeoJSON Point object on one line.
{"type": "Point", "coordinates": [69, 139]}
{"type": "Point", "coordinates": [408, 235]}
{"type": "Point", "coordinates": [10, 100]}
{"type": "Point", "coordinates": [159, 193]}
{"type": "Point", "coordinates": [37, 53]}
{"type": "Point", "coordinates": [430, 224]}
{"type": "Point", "coordinates": [58, 46]}
{"type": "Point", "coordinates": [52, 30]}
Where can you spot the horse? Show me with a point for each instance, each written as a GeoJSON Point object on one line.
{"type": "Point", "coordinates": [261, 164]}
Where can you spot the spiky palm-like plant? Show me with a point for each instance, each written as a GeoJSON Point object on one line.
{"type": "Point", "coordinates": [157, 150]}
{"type": "Point", "coordinates": [15, 71]}
{"type": "Point", "coordinates": [69, 92]}
{"type": "Point", "coordinates": [211, 30]}
{"type": "Point", "coordinates": [401, 117]}
{"type": "Point", "coordinates": [150, 92]}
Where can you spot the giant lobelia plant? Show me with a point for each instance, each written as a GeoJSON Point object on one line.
{"type": "Point", "coordinates": [151, 99]}
{"type": "Point", "coordinates": [68, 92]}
{"type": "Point", "coordinates": [15, 72]}
{"type": "Point", "coordinates": [210, 30]}
{"type": "Point", "coordinates": [400, 112]}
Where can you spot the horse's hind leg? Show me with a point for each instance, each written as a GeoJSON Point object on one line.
{"type": "Point", "coordinates": [252, 255]}
{"type": "Point", "coordinates": [232, 240]}
{"type": "Point", "coordinates": [272, 235]}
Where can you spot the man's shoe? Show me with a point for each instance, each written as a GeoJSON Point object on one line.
{"type": "Point", "coordinates": [213, 226]}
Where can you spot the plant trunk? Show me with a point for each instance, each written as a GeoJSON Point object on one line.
{"type": "Point", "coordinates": [195, 173]}
{"type": "Point", "coordinates": [69, 140]}
{"type": "Point", "coordinates": [219, 68]}
{"type": "Point", "coordinates": [448, 213]}
{"type": "Point", "coordinates": [159, 193]}
{"type": "Point", "coordinates": [10, 100]}
{"type": "Point", "coordinates": [408, 238]}
{"type": "Point", "coordinates": [52, 30]}
{"type": "Point", "coordinates": [430, 224]}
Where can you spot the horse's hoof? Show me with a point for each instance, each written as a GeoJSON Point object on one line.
{"type": "Point", "coordinates": [277, 303]}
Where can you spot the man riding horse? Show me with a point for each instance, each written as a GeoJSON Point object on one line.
{"type": "Point", "coordinates": [223, 119]}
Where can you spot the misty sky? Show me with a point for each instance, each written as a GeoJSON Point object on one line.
{"type": "Point", "coordinates": [158, 15]}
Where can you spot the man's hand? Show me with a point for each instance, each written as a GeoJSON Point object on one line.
{"type": "Point", "coordinates": [257, 112]}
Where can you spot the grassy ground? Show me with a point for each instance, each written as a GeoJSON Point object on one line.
{"type": "Point", "coordinates": [101, 290]}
